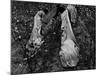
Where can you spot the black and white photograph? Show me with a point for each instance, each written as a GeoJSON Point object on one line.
{"type": "Point", "coordinates": [52, 37]}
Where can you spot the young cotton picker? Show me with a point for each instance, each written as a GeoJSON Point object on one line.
{"type": "Point", "coordinates": [69, 49]}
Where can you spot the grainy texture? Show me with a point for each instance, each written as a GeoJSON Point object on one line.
{"type": "Point", "coordinates": [47, 58]}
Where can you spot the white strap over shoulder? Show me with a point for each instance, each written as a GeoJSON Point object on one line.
{"type": "Point", "coordinates": [66, 26]}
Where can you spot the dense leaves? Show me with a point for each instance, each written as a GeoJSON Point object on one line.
{"type": "Point", "coordinates": [47, 58]}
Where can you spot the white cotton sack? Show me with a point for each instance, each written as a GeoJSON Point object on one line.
{"type": "Point", "coordinates": [69, 53]}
